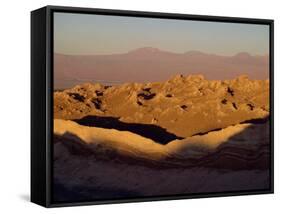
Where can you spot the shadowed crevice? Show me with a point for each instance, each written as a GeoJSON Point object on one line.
{"type": "Point", "coordinates": [77, 96]}
{"type": "Point", "coordinates": [252, 121]}
{"type": "Point", "coordinates": [257, 120]}
{"type": "Point", "coordinates": [154, 132]}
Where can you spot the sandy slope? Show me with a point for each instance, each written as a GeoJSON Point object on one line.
{"type": "Point", "coordinates": [122, 141]}
{"type": "Point", "coordinates": [246, 137]}
{"type": "Point", "coordinates": [96, 163]}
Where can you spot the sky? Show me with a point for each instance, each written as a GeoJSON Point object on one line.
{"type": "Point", "coordinates": [84, 34]}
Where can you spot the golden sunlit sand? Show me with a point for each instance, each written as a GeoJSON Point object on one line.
{"type": "Point", "coordinates": [130, 144]}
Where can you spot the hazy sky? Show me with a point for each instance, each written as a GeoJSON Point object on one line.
{"type": "Point", "coordinates": [82, 34]}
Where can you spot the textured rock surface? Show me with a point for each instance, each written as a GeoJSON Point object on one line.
{"type": "Point", "coordinates": [185, 135]}
{"type": "Point", "coordinates": [172, 105]}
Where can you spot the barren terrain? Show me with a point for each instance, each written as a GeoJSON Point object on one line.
{"type": "Point", "coordinates": [183, 135]}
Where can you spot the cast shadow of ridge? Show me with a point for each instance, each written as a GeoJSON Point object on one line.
{"type": "Point", "coordinates": [154, 132]}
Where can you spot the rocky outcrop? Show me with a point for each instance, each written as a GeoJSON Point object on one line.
{"type": "Point", "coordinates": [173, 104]}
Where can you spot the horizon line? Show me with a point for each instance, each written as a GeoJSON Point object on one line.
{"type": "Point", "coordinates": [155, 49]}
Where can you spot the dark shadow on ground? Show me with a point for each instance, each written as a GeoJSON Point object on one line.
{"type": "Point", "coordinates": [252, 121]}
{"type": "Point", "coordinates": [24, 197]}
{"type": "Point", "coordinates": [154, 132]}
{"type": "Point", "coordinates": [257, 121]}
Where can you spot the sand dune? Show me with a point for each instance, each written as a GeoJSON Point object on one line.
{"type": "Point", "coordinates": [236, 138]}
{"type": "Point", "coordinates": [109, 164]}
{"type": "Point", "coordinates": [123, 142]}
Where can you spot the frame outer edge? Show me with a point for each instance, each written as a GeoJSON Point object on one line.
{"type": "Point", "coordinates": [48, 93]}
{"type": "Point", "coordinates": [49, 117]}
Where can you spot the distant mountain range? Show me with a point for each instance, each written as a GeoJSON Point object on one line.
{"type": "Point", "coordinates": [150, 64]}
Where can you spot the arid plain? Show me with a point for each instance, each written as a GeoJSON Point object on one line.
{"type": "Point", "coordinates": [187, 134]}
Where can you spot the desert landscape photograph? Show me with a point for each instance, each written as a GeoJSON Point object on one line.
{"type": "Point", "coordinates": [150, 107]}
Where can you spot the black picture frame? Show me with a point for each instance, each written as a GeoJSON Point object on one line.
{"type": "Point", "coordinates": [42, 100]}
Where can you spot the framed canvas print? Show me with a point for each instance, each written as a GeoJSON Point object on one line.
{"type": "Point", "coordinates": [140, 106]}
